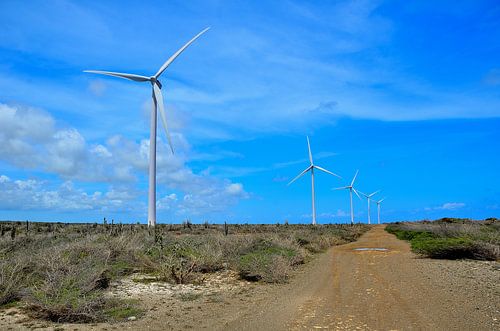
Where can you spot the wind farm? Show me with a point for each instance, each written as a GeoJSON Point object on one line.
{"type": "Point", "coordinates": [224, 221]}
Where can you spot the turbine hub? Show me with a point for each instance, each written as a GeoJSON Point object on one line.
{"type": "Point", "coordinates": [154, 80]}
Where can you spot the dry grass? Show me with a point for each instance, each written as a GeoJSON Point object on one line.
{"type": "Point", "coordinates": [60, 272]}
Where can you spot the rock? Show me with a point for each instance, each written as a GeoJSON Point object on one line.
{"type": "Point", "coordinates": [132, 318]}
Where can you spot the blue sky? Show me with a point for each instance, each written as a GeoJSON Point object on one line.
{"type": "Point", "coordinates": [406, 92]}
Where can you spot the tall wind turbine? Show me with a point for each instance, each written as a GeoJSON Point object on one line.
{"type": "Point", "coordinates": [369, 198]}
{"type": "Point", "coordinates": [351, 189]}
{"type": "Point", "coordinates": [378, 208]}
{"type": "Point", "coordinates": [157, 105]}
{"type": "Point", "coordinates": [311, 168]}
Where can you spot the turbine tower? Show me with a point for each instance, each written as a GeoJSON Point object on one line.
{"type": "Point", "coordinates": [369, 198]}
{"type": "Point", "coordinates": [157, 105]}
{"type": "Point", "coordinates": [378, 208]}
{"type": "Point", "coordinates": [311, 168]}
{"type": "Point", "coordinates": [351, 189]}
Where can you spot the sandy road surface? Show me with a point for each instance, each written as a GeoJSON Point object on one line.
{"type": "Point", "coordinates": [343, 289]}
{"type": "Point", "coordinates": [375, 290]}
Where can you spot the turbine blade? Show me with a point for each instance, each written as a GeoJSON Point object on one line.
{"type": "Point", "coordinates": [352, 183]}
{"type": "Point", "coordinates": [356, 193]}
{"type": "Point", "coordinates": [327, 171]}
{"type": "Point", "coordinates": [159, 104]}
{"type": "Point", "coordinates": [300, 175]}
{"type": "Point", "coordinates": [309, 149]}
{"type": "Point", "coordinates": [176, 54]}
{"type": "Point", "coordinates": [137, 78]}
{"type": "Point", "coordinates": [372, 194]}
{"type": "Point", "coordinates": [340, 188]}
{"type": "Point", "coordinates": [363, 194]}
{"type": "Point", "coordinates": [380, 201]}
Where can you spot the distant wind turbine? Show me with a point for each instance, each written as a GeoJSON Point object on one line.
{"type": "Point", "coordinates": [378, 208]}
{"type": "Point", "coordinates": [369, 198]}
{"type": "Point", "coordinates": [311, 168]}
{"type": "Point", "coordinates": [157, 104]}
{"type": "Point", "coordinates": [351, 189]}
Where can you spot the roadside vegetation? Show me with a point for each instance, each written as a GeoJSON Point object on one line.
{"type": "Point", "coordinates": [60, 272]}
{"type": "Point", "coordinates": [451, 238]}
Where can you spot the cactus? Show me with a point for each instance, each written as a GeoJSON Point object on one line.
{"type": "Point", "coordinates": [13, 232]}
{"type": "Point", "coordinates": [187, 224]}
{"type": "Point", "coordinates": [226, 228]}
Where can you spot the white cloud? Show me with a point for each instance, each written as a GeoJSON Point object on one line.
{"type": "Point", "coordinates": [167, 202]}
{"type": "Point", "coordinates": [33, 194]}
{"type": "Point", "coordinates": [234, 189]}
{"type": "Point", "coordinates": [332, 216]}
{"type": "Point", "coordinates": [119, 161]}
{"type": "Point", "coordinates": [452, 205]}
{"type": "Point", "coordinates": [447, 206]}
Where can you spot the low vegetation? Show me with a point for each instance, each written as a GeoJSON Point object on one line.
{"type": "Point", "coordinates": [60, 272]}
{"type": "Point", "coordinates": [451, 238]}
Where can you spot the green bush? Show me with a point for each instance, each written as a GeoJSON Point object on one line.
{"type": "Point", "coordinates": [451, 238]}
{"type": "Point", "coordinates": [444, 248]}
{"type": "Point", "coordinates": [411, 235]}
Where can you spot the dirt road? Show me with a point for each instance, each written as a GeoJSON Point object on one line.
{"type": "Point", "coordinates": [342, 289]}
{"type": "Point", "coordinates": [382, 290]}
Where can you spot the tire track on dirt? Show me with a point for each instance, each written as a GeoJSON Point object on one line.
{"type": "Point", "coordinates": [369, 290]}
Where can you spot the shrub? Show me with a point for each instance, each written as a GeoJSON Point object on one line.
{"type": "Point", "coordinates": [69, 282]}
{"type": "Point", "coordinates": [268, 262]}
{"type": "Point", "coordinates": [444, 248]}
{"type": "Point", "coordinates": [11, 278]}
{"type": "Point", "coordinates": [451, 238]}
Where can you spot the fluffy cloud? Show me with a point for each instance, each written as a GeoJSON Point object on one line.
{"type": "Point", "coordinates": [30, 139]}
{"type": "Point", "coordinates": [205, 197]}
{"type": "Point", "coordinates": [33, 194]}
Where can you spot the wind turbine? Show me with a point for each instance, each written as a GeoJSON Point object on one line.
{"type": "Point", "coordinates": [311, 168]}
{"type": "Point", "coordinates": [369, 198]}
{"type": "Point", "coordinates": [378, 208]}
{"type": "Point", "coordinates": [157, 104]}
{"type": "Point", "coordinates": [351, 189]}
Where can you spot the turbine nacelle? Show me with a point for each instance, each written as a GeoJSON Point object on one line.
{"type": "Point", "coordinates": [369, 196]}
{"type": "Point", "coordinates": [154, 80]}
{"type": "Point", "coordinates": [351, 186]}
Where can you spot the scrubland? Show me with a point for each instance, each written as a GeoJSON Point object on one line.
{"type": "Point", "coordinates": [451, 238]}
{"type": "Point", "coordinates": [61, 272]}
